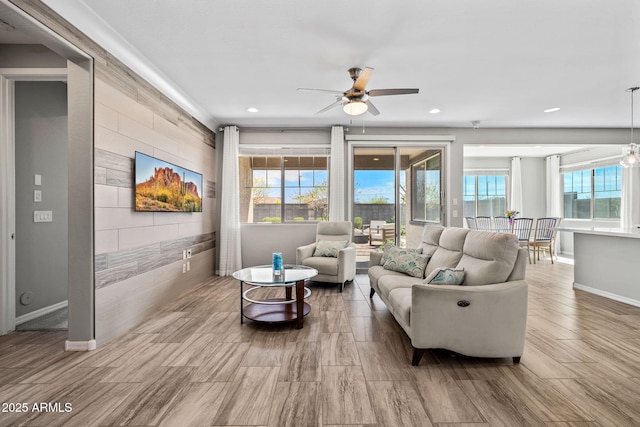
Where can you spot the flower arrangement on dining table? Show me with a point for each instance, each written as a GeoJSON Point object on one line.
{"type": "Point", "coordinates": [511, 215]}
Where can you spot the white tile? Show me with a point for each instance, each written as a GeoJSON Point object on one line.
{"type": "Point", "coordinates": [123, 104]}
{"type": "Point", "coordinates": [125, 197]}
{"type": "Point", "coordinates": [164, 126]}
{"type": "Point", "coordinates": [105, 117]}
{"type": "Point", "coordinates": [115, 218]}
{"type": "Point", "coordinates": [162, 218]}
{"type": "Point", "coordinates": [190, 229]}
{"type": "Point", "coordinates": [138, 236]}
{"type": "Point", "coordinates": [106, 241]}
{"type": "Point", "coordinates": [135, 130]}
{"type": "Point", "coordinates": [116, 143]}
{"type": "Point", "coordinates": [105, 196]}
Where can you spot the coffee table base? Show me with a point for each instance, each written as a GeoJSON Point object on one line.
{"type": "Point", "coordinates": [274, 313]}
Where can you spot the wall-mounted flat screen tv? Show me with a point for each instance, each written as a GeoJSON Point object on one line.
{"type": "Point", "coordinates": [164, 187]}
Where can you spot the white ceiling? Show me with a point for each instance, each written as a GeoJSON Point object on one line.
{"type": "Point", "coordinates": [499, 62]}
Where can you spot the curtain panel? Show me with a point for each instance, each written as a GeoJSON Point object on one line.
{"type": "Point", "coordinates": [515, 202]}
{"type": "Point", "coordinates": [337, 191]}
{"type": "Point", "coordinates": [230, 248]}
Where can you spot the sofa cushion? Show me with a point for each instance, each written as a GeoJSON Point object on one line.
{"type": "Point", "coordinates": [445, 276]}
{"type": "Point", "coordinates": [377, 271]}
{"type": "Point", "coordinates": [400, 301]}
{"type": "Point", "coordinates": [329, 248]}
{"type": "Point", "coordinates": [324, 265]}
{"type": "Point", "coordinates": [431, 238]}
{"type": "Point", "coordinates": [405, 261]}
{"type": "Point", "coordinates": [450, 250]}
{"type": "Point", "coordinates": [488, 257]}
{"type": "Point", "coordinates": [388, 283]}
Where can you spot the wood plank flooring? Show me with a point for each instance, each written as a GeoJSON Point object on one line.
{"type": "Point", "coordinates": [194, 364]}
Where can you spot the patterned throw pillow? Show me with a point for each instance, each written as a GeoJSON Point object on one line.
{"type": "Point", "coordinates": [394, 250]}
{"type": "Point", "coordinates": [329, 248]}
{"type": "Point", "coordinates": [445, 276]}
{"type": "Point", "coordinates": [407, 261]}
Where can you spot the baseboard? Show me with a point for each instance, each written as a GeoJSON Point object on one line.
{"type": "Point", "coordinates": [40, 312]}
{"type": "Point", "coordinates": [606, 294]}
{"type": "Point", "coordinates": [79, 345]}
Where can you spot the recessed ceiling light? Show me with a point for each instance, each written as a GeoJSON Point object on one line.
{"type": "Point", "coordinates": [252, 110]}
{"type": "Point", "coordinates": [538, 146]}
{"type": "Point", "coordinates": [376, 159]}
{"type": "Point", "coordinates": [481, 146]}
{"type": "Point", "coordinates": [434, 111]}
{"type": "Point", "coordinates": [551, 110]}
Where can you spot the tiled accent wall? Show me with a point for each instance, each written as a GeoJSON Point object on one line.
{"type": "Point", "coordinates": [129, 244]}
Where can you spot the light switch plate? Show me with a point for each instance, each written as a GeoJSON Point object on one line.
{"type": "Point", "coordinates": [37, 195]}
{"type": "Point", "coordinates": [42, 216]}
{"type": "Point", "coordinates": [37, 179]}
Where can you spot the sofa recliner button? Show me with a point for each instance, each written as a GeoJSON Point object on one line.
{"type": "Point", "coordinates": [464, 303]}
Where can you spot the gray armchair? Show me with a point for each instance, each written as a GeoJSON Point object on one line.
{"type": "Point", "coordinates": [339, 269]}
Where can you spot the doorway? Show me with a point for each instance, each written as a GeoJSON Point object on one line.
{"type": "Point", "coordinates": [395, 190]}
{"type": "Point", "coordinates": [80, 252]}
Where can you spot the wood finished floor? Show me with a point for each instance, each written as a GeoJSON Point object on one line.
{"type": "Point", "coordinates": [194, 364]}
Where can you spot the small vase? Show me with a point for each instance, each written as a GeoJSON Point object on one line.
{"type": "Point", "coordinates": [277, 263]}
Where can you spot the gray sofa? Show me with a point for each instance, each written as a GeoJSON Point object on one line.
{"type": "Point", "coordinates": [485, 317]}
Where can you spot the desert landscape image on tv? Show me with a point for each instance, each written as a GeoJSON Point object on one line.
{"type": "Point", "coordinates": [165, 187]}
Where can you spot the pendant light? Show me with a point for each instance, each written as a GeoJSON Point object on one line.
{"type": "Point", "coordinates": [631, 159]}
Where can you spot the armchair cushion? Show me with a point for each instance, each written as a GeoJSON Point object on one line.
{"type": "Point", "coordinates": [445, 276]}
{"type": "Point", "coordinates": [329, 248]}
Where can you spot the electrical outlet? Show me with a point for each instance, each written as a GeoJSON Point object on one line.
{"type": "Point", "coordinates": [188, 253]}
{"type": "Point", "coordinates": [184, 268]}
{"type": "Point", "coordinates": [184, 254]}
{"type": "Point", "coordinates": [37, 195]}
{"type": "Point", "coordinates": [188, 266]}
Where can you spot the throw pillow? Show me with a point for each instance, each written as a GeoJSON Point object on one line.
{"type": "Point", "coordinates": [408, 262]}
{"type": "Point", "coordinates": [395, 250]}
{"type": "Point", "coordinates": [445, 276]}
{"type": "Point", "coordinates": [329, 248]}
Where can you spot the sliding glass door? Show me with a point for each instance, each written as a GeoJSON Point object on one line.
{"type": "Point", "coordinates": [397, 189]}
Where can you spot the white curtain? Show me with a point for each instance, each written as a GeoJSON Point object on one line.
{"type": "Point", "coordinates": [630, 203]}
{"type": "Point", "coordinates": [554, 197]}
{"type": "Point", "coordinates": [554, 194]}
{"type": "Point", "coordinates": [516, 185]}
{"type": "Point", "coordinates": [337, 177]}
{"type": "Point", "coordinates": [229, 247]}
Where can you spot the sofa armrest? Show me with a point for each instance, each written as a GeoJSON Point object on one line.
{"type": "Point", "coordinates": [486, 321]}
{"type": "Point", "coordinates": [347, 263]}
{"type": "Point", "coordinates": [304, 252]}
{"type": "Point", "coordinates": [375, 258]}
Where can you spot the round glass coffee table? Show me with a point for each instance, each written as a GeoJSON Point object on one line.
{"type": "Point", "coordinates": [275, 310]}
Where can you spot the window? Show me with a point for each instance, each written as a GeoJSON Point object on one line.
{"type": "Point", "coordinates": [484, 195]}
{"type": "Point", "coordinates": [426, 189]}
{"type": "Point", "coordinates": [291, 187]}
{"type": "Point", "coordinates": [593, 193]}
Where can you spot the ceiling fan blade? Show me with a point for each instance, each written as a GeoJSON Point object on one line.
{"type": "Point", "coordinates": [383, 92]}
{"type": "Point", "coordinates": [329, 107]}
{"type": "Point", "coordinates": [372, 109]}
{"type": "Point", "coordinates": [337, 92]}
{"type": "Point", "coordinates": [363, 78]}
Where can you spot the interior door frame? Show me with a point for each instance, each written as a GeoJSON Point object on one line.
{"type": "Point", "coordinates": [442, 142]}
{"type": "Point", "coordinates": [8, 77]}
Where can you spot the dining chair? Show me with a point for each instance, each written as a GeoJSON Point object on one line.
{"type": "Point", "coordinates": [471, 222]}
{"type": "Point", "coordinates": [501, 224]}
{"type": "Point", "coordinates": [484, 223]}
{"type": "Point", "coordinates": [522, 228]}
{"type": "Point", "coordinates": [544, 236]}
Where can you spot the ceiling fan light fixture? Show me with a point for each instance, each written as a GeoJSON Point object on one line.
{"type": "Point", "coordinates": [355, 108]}
{"type": "Point", "coordinates": [631, 159]}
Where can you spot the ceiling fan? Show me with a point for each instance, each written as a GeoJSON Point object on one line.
{"type": "Point", "coordinates": [355, 101]}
